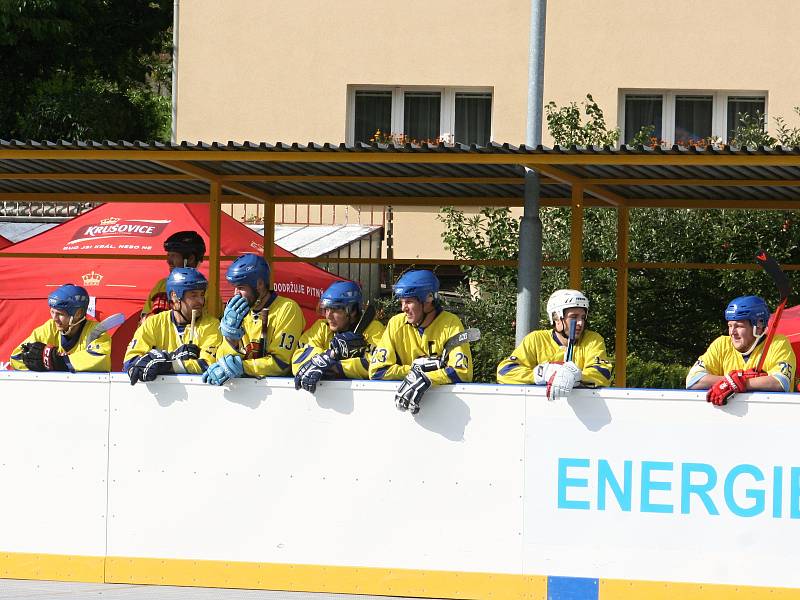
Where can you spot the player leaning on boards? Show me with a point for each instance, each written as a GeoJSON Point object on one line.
{"type": "Point", "coordinates": [340, 345]}
{"type": "Point", "coordinates": [64, 343]}
{"type": "Point", "coordinates": [260, 329]}
{"type": "Point", "coordinates": [542, 357]}
{"type": "Point", "coordinates": [181, 340]}
{"type": "Point", "coordinates": [731, 363]}
{"type": "Point", "coordinates": [413, 342]}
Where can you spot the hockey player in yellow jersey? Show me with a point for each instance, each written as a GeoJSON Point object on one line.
{"type": "Point", "coordinates": [330, 348]}
{"type": "Point", "coordinates": [260, 329]}
{"type": "Point", "coordinates": [181, 340]}
{"type": "Point", "coordinates": [413, 341]}
{"type": "Point", "coordinates": [729, 366]}
{"type": "Point", "coordinates": [540, 358]}
{"type": "Point", "coordinates": [64, 343]}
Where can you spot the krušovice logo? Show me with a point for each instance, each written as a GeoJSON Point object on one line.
{"type": "Point", "coordinates": [113, 227]}
{"type": "Point", "coordinates": [92, 278]}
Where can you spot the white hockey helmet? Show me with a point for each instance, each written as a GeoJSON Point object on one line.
{"type": "Point", "coordinates": [561, 300]}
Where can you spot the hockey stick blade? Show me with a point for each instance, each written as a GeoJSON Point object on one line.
{"type": "Point", "coordinates": [571, 343]}
{"type": "Point", "coordinates": [773, 269]}
{"type": "Point", "coordinates": [108, 323]}
{"type": "Point", "coordinates": [366, 318]}
{"type": "Point", "coordinates": [473, 334]}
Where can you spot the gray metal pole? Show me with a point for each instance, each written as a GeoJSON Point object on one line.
{"type": "Point", "coordinates": [529, 275]}
{"type": "Point", "coordinates": [175, 14]}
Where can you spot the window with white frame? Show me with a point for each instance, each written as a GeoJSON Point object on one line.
{"type": "Point", "coordinates": [685, 116]}
{"type": "Point", "coordinates": [462, 115]}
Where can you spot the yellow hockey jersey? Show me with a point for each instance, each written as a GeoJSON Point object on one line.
{"type": "Point", "coordinates": [401, 343]}
{"type": "Point", "coordinates": [541, 346]}
{"type": "Point", "coordinates": [162, 332]}
{"type": "Point", "coordinates": [285, 326]}
{"type": "Point", "coordinates": [78, 356]}
{"type": "Point", "coordinates": [317, 339]}
{"type": "Point", "coordinates": [721, 358]}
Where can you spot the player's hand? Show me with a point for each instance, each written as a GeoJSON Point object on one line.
{"type": "Point", "coordinates": [563, 380]}
{"type": "Point", "coordinates": [186, 352]}
{"type": "Point", "coordinates": [228, 367]}
{"type": "Point", "coordinates": [41, 357]}
{"type": "Point", "coordinates": [309, 374]}
{"type": "Point", "coordinates": [235, 311]}
{"type": "Point", "coordinates": [733, 383]}
{"type": "Point", "coordinates": [410, 392]}
{"type": "Point", "coordinates": [348, 344]}
{"type": "Point", "coordinates": [426, 364]}
{"type": "Point", "coordinates": [149, 366]}
{"type": "Point", "coordinates": [543, 372]}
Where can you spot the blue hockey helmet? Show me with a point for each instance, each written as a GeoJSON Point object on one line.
{"type": "Point", "coordinates": [69, 298]}
{"type": "Point", "coordinates": [247, 270]}
{"type": "Point", "coordinates": [748, 308]}
{"type": "Point", "coordinates": [342, 294]}
{"type": "Point", "coordinates": [417, 284]}
{"type": "Point", "coordinates": [183, 279]}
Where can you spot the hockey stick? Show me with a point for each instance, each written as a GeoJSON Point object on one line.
{"type": "Point", "coordinates": [108, 323]}
{"type": "Point", "coordinates": [784, 286]}
{"type": "Point", "coordinates": [366, 318]}
{"type": "Point", "coordinates": [262, 343]}
{"type": "Point", "coordinates": [570, 351]}
{"type": "Point", "coordinates": [191, 327]}
{"type": "Point", "coordinates": [473, 334]}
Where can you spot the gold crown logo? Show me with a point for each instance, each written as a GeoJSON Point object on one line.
{"type": "Point", "coordinates": [91, 278]}
{"type": "Point", "coordinates": [109, 221]}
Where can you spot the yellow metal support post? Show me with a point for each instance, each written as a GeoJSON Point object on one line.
{"type": "Point", "coordinates": [215, 210]}
{"type": "Point", "coordinates": [621, 339]}
{"type": "Point", "coordinates": [269, 234]}
{"type": "Point", "coordinates": [576, 238]}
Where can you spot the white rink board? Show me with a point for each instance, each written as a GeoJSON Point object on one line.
{"type": "Point", "coordinates": [662, 433]}
{"type": "Point", "coordinates": [53, 463]}
{"type": "Point", "coordinates": [269, 474]}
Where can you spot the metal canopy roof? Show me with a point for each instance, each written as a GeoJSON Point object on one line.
{"type": "Point", "coordinates": [399, 175]}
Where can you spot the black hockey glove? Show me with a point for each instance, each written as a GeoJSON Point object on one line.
{"type": "Point", "coordinates": [149, 366]}
{"type": "Point", "coordinates": [348, 344]}
{"type": "Point", "coordinates": [412, 388]}
{"type": "Point", "coordinates": [312, 371]}
{"type": "Point", "coordinates": [186, 352]}
{"type": "Point", "coordinates": [41, 357]}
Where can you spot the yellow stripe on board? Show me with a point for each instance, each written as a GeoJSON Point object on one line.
{"type": "Point", "coordinates": [56, 567]}
{"type": "Point", "coordinates": [313, 578]}
{"type": "Point", "coordinates": [620, 589]}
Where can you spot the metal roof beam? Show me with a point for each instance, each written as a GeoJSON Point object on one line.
{"type": "Point", "coordinates": [211, 177]}
{"type": "Point", "coordinates": [80, 197]}
{"type": "Point", "coordinates": [98, 176]}
{"type": "Point", "coordinates": [610, 197]}
{"type": "Point", "coordinates": [696, 181]}
{"type": "Point", "coordinates": [713, 203]}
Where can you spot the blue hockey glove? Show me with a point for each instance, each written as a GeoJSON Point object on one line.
{"type": "Point", "coordinates": [231, 324]}
{"type": "Point", "coordinates": [348, 344]}
{"type": "Point", "coordinates": [412, 388]}
{"type": "Point", "coordinates": [186, 352]}
{"type": "Point", "coordinates": [149, 366]}
{"type": "Point", "coordinates": [311, 372]}
{"type": "Point", "coordinates": [228, 367]}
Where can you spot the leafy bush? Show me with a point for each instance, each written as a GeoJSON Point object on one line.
{"type": "Point", "coordinates": [652, 374]}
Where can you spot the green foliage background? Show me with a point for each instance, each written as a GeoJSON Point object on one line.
{"type": "Point", "coordinates": [85, 69]}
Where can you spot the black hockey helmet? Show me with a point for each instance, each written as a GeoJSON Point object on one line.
{"type": "Point", "coordinates": [186, 243]}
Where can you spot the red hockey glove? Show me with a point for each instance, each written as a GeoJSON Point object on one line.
{"type": "Point", "coordinates": [41, 357]}
{"type": "Point", "coordinates": [732, 383]}
{"type": "Point", "coordinates": [159, 304]}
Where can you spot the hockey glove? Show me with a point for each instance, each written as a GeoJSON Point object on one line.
{"type": "Point", "coordinates": [186, 352]}
{"type": "Point", "coordinates": [228, 367]}
{"type": "Point", "coordinates": [733, 383]}
{"type": "Point", "coordinates": [312, 371]}
{"type": "Point", "coordinates": [348, 345]}
{"type": "Point", "coordinates": [40, 357]}
{"type": "Point", "coordinates": [160, 303]}
{"type": "Point", "coordinates": [543, 372]}
{"type": "Point", "coordinates": [149, 366]}
{"type": "Point", "coordinates": [412, 388]}
{"type": "Point", "coordinates": [563, 380]}
{"type": "Point", "coordinates": [231, 324]}
{"type": "Point", "coordinates": [426, 364]}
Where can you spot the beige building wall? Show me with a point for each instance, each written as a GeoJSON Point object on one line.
{"type": "Point", "coordinates": [280, 70]}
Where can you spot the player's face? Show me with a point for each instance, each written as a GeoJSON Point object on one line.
{"type": "Point", "coordinates": [194, 299]}
{"type": "Point", "coordinates": [573, 314]}
{"type": "Point", "coordinates": [175, 259]}
{"type": "Point", "coordinates": [338, 319]}
{"type": "Point", "coordinates": [412, 308]}
{"type": "Point", "coordinates": [741, 333]}
{"type": "Point", "coordinates": [247, 292]}
{"type": "Point", "coordinates": [61, 319]}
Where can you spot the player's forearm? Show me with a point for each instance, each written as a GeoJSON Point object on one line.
{"type": "Point", "coordinates": [705, 382]}
{"type": "Point", "coordinates": [765, 384]}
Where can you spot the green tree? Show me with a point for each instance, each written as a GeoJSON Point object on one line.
{"type": "Point", "coordinates": [89, 69]}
